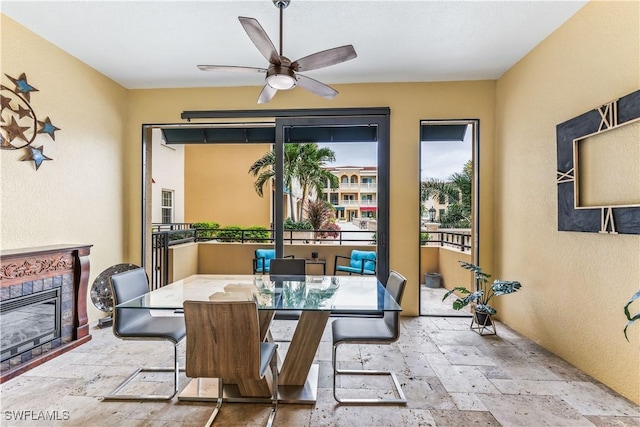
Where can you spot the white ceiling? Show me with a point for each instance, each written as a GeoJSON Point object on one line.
{"type": "Point", "coordinates": [157, 44]}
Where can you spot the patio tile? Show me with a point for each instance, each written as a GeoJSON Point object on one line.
{"type": "Point", "coordinates": [463, 418]}
{"type": "Point", "coordinates": [534, 411]}
{"type": "Point", "coordinates": [589, 399]}
{"type": "Point", "coordinates": [450, 375]}
{"type": "Point", "coordinates": [602, 421]}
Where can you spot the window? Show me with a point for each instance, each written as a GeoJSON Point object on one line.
{"type": "Point", "coordinates": [167, 206]}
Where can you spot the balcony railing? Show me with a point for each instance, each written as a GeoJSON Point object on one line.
{"type": "Point", "coordinates": [177, 233]}
{"type": "Point", "coordinates": [174, 234]}
{"type": "Point", "coordinates": [460, 240]}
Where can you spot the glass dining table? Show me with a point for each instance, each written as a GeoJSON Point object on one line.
{"type": "Point", "coordinates": [315, 297]}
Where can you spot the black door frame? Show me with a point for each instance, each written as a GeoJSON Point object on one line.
{"type": "Point", "coordinates": [375, 116]}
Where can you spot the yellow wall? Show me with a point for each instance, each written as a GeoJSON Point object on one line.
{"type": "Point", "coordinates": [78, 197]}
{"type": "Point", "coordinates": [218, 186]}
{"type": "Point", "coordinates": [409, 103]}
{"type": "Point", "coordinates": [574, 284]}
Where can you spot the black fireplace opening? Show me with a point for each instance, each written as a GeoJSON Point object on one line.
{"type": "Point", "coordinates": [29, 322]}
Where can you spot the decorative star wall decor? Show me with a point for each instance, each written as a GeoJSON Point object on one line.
{"type": "Point", "coordinates": [36, 154]}
{"type": "Point", "coordinates": [19, 125]}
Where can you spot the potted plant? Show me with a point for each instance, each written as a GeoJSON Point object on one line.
{"type": "Point", "coordinates": [479, 299]}
{"type": "Point", "coordinates": [629, 317]}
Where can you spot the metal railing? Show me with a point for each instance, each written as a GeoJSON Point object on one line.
{"type": "Point", "coordinates": [177, 233]}
{"type": "Point", "coordinates": [160, 242]}
{"type": "Point", "coordinates": [460, 240]}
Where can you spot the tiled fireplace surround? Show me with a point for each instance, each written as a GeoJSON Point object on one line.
{"type": "Point", "coordinates": [25, 272]}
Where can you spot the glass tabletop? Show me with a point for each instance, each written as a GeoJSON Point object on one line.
{"type": "Point", "coordinates": [310, 293]}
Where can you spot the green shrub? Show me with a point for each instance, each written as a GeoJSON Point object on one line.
{"type": "Point", "coordinates": [290, 224]}
{"type": "Point", "coordinates": [424, 238]}
{"type": "Point", "coordinates": [230, 233]}
{"type": "Point", "coordinates": [206, 229]}
{"type": "Point", "coordinates": [256, 233]}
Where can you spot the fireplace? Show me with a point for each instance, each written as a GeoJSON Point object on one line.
{"type": "Point", "coordinates": [29, 322]}
{"type": "Point", "coordinates": [43, 313]}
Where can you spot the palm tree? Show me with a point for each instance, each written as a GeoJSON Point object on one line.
{"type": "Point", "coordinates": [311, 171]}
{"type": "Point", "coordinates": [263, 169]}
{"type": "Point", "coordinates": [303, 164]}
{"type": "Point", "coordinates": [457, 189]}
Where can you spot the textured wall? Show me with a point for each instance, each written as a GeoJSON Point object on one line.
{"type": "Point", "coordinates": [574, 284]}
{"type": "Point", "coordinates": [78, 197]}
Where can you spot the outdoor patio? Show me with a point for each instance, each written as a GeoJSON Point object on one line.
{"type": "Point", "coordinates": [451, 376]}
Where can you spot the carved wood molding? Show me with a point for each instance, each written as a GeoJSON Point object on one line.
{"type": "Point", "coordinates": [36, 266]}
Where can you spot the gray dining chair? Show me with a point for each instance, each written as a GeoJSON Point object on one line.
{"type": "Point", "coordinates": [139, 324]}
{"type": "Point", "coordinates": [385, 330]}
{"type": "Point", "coordinates": [223, 342]}
{"type": "Point", "coordinates": [294, 268]}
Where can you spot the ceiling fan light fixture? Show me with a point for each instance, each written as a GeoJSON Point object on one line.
{"type": "Point", "coordinates": [281, 78]}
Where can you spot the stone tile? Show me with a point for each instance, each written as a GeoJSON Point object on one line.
{"type": "Point", "coordinates": [439, 364]}
{"type": "Point", "coordinates": [463, 379]}
{"type": "Point", "coordinates": [466, 355]}
{"type": "Point", "coordinates": [463, 418]}
{"type": "Point", "coordinates": [425, 393]}
{"type": "Point", "coordinates": [534, 411]}
{"type": "Point", "coordinates": [526, 387]}
{"type": "Point", "coordinates": [589, 399]}
{"type": "Point", "coordinates": [602, 421]}
{"type": "Point", "coordinates": [328, 412]}
{"type": "Point", "coordinates": [494, 372]}
{"type": "Point", "coordinates": [417, 417]}
{"type": "Point", "coordinates": [467, 402]}
{"type": "Point", "coordinates": [527, 369]}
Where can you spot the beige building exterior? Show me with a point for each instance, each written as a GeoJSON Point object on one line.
{"type": "Point", "coordinates": [356, 197]}
{"type": "Point", "coordinates": [574, 284]}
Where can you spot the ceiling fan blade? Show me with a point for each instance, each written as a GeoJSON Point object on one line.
{"type": "Point", "coordinates": [325, 58]}
{"type": "Point", "coordinates": [316, 87]}
{"type": "Point", "coordinates": [260, 38]}
{"type": "Point", "coordinates": [267, 93]}
{"type": "Point", "coordinates": [232, 68]}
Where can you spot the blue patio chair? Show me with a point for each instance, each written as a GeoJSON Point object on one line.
{"type": "Point", "coordinates": [262, 261]}
{"type": "Point", "coordinates": [360, 262]}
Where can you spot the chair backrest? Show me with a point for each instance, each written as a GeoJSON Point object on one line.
{"type": "Point", "coordinates": [395, 286]}
{"type": "Point", "coordinates": [264, 256]}
{"type": "Point", "coordinates": [288, 267]}
{"type": "Point", "coordinates": [358, 256]}
{"type": "Point", "coordinates": [126, 286]}
{"type": "Point", "coordinates": [223, 339]}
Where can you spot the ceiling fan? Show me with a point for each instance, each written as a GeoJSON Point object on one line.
{"type": "Point", "coordinates": [282, 73]}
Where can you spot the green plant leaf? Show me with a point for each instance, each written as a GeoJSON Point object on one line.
{"type": "Point", "coordinates": [631, 322]}
{"type": "Point", "coordinates": [504, 287]}
{"type": "Point", "coordinates": [626, 307]}
{"type": "Point", "coordinates": [460, 289]}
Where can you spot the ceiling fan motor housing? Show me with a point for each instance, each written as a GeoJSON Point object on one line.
{"type": "Point", "coordinates": [281, 77]}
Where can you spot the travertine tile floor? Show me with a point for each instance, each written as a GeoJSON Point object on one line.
{"type": "Point", "coordinates": [451, 376]}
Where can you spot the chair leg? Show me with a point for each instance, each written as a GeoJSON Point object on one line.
{"type": "Point", "coordinates": [398, 389]}
{"type": "Point", "coordinates": [274, 391]}
{"type": "Point", "coordinates": [218, 403]}
{"type": "Point", "coordinates": [176, 373]}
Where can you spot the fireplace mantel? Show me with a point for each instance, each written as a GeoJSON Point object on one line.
{"type": "Point", "coordinates": [27, 271]}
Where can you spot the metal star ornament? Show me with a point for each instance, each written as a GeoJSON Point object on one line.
{"type": "Point", "coordinates": [48, 128]}
{"type": "Point", "coordinates": [14, 130]}
{"type": "Point", "coordinates": [22, 86]}
{"type": "Point", "coordinates": [36, 154]}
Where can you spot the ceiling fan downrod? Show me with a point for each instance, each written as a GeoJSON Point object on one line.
{"type": "Point", "coordinates": [281, 5]}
